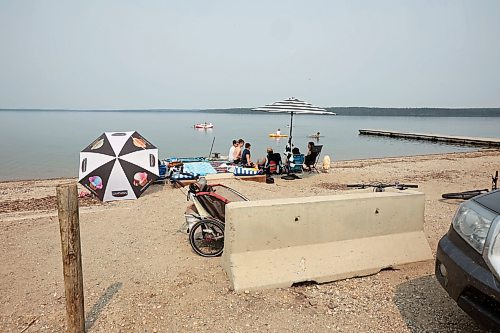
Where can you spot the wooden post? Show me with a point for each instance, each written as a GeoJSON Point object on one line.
{"type": "Point", "coordinates": [67, 206]}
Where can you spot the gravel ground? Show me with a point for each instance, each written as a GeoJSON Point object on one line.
{"type": "Point", "coordinates": [140, 274]}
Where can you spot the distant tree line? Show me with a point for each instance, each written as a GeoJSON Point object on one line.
{"type": "Point", "coordinates": [387, 112]}
{"type": "Point", "coordinates": [416, 112]}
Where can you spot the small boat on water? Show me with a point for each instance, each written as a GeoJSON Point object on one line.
{"type": "Point", "coordinates": [204, 125]}
{"type": "Point", "coordinates": [274, 135]}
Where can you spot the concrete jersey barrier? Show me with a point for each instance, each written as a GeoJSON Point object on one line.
{"type": "Point", "coordinates": [275, 243]}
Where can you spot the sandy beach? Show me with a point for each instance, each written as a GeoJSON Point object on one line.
{"type": "Point", "coordinates": [140, 274]}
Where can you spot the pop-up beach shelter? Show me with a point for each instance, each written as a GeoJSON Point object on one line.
{"type": "Point", "coordinates": [293, 106]}
{"type": "Point", "coordinates": [118, 166]}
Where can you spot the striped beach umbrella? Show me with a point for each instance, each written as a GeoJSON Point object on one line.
{"type": "Point", "coordinates": [293, 106]}
{"type": "Point", "coordinates": [118, 166]}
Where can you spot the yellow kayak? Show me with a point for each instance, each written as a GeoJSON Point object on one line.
{"type": "Point", "coordinates": [274, 135]}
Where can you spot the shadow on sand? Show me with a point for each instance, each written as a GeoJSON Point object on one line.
{"type": "Point", "coordinates": [93, 314]}
{"type": "Point", "coordinates": [426, 307]}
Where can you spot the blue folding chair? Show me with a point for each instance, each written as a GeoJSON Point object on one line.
{"type": "Point", "coordinates": [298, 160]}
{"type": "Point", "coordinates": [162, 171]}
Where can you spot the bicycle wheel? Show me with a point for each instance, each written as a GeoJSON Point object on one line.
{"type": "Point", "coordinates": [466, 195]}
{"type": "Point", "coordinates": [207, 238]}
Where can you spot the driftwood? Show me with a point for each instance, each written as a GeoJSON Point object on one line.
{"type": "Point", "coordinates": [29, 324]}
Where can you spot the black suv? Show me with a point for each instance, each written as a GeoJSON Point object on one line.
{"type": "Point", "coordinates": [468, 259]}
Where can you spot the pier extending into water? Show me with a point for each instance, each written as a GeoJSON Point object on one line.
{"type": "Point", "coordinates": [464, 140]}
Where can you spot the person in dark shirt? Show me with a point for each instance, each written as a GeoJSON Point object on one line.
{"type": "Point", "coordinates": [310, 156]}
{"type": "Point", "coordinates": [246, 158]}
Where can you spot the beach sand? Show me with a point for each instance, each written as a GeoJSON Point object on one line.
{"type": "Point", "coordinates": [140, 274]}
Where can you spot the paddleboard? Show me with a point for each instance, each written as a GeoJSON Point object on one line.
{"type": "Point", "coordinates": [274, 135]}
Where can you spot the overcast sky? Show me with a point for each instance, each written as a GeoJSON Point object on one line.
{"type": "Point", "coordinates": [218, 54]}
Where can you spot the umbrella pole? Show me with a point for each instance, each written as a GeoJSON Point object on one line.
{"type": "Point", "coordinates": [288, 149]}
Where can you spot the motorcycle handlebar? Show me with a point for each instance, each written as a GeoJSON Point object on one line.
{"type": "Point", "coordinates": [381, 185]}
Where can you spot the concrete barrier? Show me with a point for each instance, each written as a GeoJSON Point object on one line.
{"type": "Point", "coordinates": [275, 243]}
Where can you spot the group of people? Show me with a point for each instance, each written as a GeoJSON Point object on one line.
{"type": "Point", "coordinates": [239, 153]}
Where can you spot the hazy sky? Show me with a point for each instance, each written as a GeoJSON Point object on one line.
{"type": "Point", "coordinates": [219, 54]}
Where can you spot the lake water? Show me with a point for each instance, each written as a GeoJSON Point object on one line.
{"type": "Point", "coordinates": [46, 144]}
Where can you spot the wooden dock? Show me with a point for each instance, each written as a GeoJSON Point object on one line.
{"type": "Point", "coordinates": [463, 140]}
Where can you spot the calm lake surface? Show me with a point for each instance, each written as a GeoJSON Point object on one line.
{"type": "Point", "coordinates": [46, 144]}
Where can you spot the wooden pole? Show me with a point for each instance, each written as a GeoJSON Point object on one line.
{"type": "Point", "coordinates": [67, 206]}
{"type": "Point", "coordinates": [210, 154]}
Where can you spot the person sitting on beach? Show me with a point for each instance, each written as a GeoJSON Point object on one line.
{"type": "Point", "coordinates": [237, 151]}
{"type": "Point", "coordinates": [310, 157]}
{"type": "Point", "coordinates": [230, 156]}
{"type": "Point", "coordinates": [295, 151]}
{"type": "Point", "coordinates": [246, 159]}
{"type": "Point", "coordinates": [272, 162]}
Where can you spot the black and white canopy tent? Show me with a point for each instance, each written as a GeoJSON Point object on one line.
{"type": "Point", "coordinates": [293, 106]}
{"type": "Point", "coordinates": [118, 166]}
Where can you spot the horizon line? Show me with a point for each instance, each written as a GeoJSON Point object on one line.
{"type": "Point", "coordinates": [242, 108]}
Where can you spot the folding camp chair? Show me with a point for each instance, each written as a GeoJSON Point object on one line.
{"type": "Point", "coordinates": [274, 164]}
{"type": "Point", "coordinates": [298, 160]}
{"type": "Point", "coordinates": [314, 158]}
{"type": "Point", "coordinates": [162, 173]}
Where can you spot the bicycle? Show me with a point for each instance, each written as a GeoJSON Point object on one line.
{"type": "Point", "coordinates": [206, 217]}
{"type": "Point", "coordinates": [466, 195]}
{"type": "Point", "coordinates": [380, 187]}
